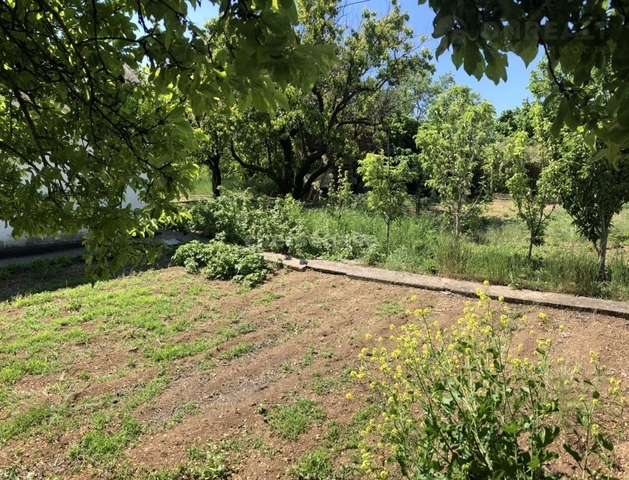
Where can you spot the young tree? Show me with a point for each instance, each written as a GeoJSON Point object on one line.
{"type": "Point", "coordinates": [452, 141]}
{"type": "Point", "coordinates": [340, 194]}
{"type": "Point", "coordinates": [591, 184]}
{"type": "Point", "coordinates": [591, 191]}
{"type": "Point", "coordinates": [530, 186]}
{"type": "Point", "coordinates": [386, 180]}
{"type": "Point", "coordinates": [92, 105]}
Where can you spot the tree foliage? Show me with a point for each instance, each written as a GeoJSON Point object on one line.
{"type": "Point", "coordinates": [452, 141]}
{"type": "Point", "coordinates": [592, 186]}
{"type": "Point", "coordinates": [585, 40]}
{"type": "Point", "coordinates": [386, 179]}
{"type": "Point", "coordinates": [327, 126]}
{"type": "Point", "coordinates": [92, 99]}
{"type": "Point", "coordinates": [531, 189]}
{"type": "Point", "coordinates": [592, 192]}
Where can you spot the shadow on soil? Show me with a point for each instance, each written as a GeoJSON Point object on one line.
{"type": "Point", "coordinates": [49, 275]}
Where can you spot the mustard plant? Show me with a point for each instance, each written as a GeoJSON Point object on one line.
{"type": "Point", "coordinates": [463, 402]}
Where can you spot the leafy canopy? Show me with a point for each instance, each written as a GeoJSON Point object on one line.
{"type": "Point", "coordinates": [92, 98]}
{"type": "Point", "coordinates": [586, 40]}
{"type": "Point", "coordinates": [375, 61]}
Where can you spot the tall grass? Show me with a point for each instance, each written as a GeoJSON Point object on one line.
{"type": "Point", "coordinates": [495, 251]}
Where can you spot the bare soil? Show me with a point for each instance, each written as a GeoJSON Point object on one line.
{"type": "Point", "coordinates": [307, 326]}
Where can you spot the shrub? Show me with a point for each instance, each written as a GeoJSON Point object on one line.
{"type": "Point", "coordinates": [222, 261]}
{"type": "Point", "coordinates": [278, 226]}
{"type": "Point", "coordinates": [462, 402]}
{"type": "Point", "coordinates": [226, 217]}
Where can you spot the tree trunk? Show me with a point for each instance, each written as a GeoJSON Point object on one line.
{"type": "Point", "coordinates": [388, 222]}
{"type": "Point", "coordinates": [530, 247]}
{"type": "Point", "coordinates": [602, 249]}
{"type": "Point", "coordinates": [213, 162]}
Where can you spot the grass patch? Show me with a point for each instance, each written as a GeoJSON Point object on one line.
{"type": "Point", "coordinates": [388, 309]}
{"type": "Point", "coordinates": [175, 351]}
{"type": "Point", "coordinates": [314, 465]}
{"type": "Point", "coordinates": [229, 333]}
{"type": "Point", "coordinates": [290, 421]}
{"type": "Point", "coordinates": [148, 392]}
{"type": "Point", "coordinates": [22, 422]}
{"type": "Point", "coordinates": [342, 436]}
{"type": "Point", "coordinates": [236, 351]}
{"type": "Point", "coordinates": [324, 385]}
{"type": "Point", "coordinates": [102, 445]}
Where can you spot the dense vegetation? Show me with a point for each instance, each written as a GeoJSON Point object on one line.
{"type": "Point", "coordinates": [378, 139]}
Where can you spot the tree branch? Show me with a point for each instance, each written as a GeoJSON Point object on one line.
{"type": "Point", "coordinates": [266, 171]}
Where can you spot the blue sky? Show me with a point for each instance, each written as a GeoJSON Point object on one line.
{"type": "Point", "coordinates": [502, 96]}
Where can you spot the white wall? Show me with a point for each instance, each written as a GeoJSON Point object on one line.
{"type": "Point", "coordinates": [7, 240]}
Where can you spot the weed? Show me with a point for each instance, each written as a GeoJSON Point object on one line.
{"type": "Point", "coordinates": [206, 365]}
{"type": "Point", "coordinates": [268, 297]}
{"type": "Point", "coordinates": [388, 309]}
{"type": "Point", "coordinates": [230, 333]}
{"type": "Point", "coordinates": [189, 408]}
{"type": "Point", "coordinates": [315, 465]}
{"type": "Point", "coordinates": [308, 357]}
{"type": "Point", "coordinates": [223, 261]}
{"type": "Point", "coordinates": [346, 436]}
{"type": "Point", "coordinates": [290, 421]}
{"type": "Point", "coordinates": [323, 385]}
{"type": "Point", "coordinates": [207, 464]}
{"type": "Point", "coordinates": [149, 391]}
{"type": "Point", "coordinates": [288, 368]}
{"type": "Point", "coordinates": [258, 443]}
{"type": "Point", "coordinates": [461, 403]}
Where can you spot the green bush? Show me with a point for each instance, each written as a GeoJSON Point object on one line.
{"type": "Point", "coordinates": [277, 226]}
{"type": "Point", "coordinates": [226, 218]}
{"type": "Point", "coordinates": [464, 402]}
{"type": "Point", "coordinates": [222, 261]}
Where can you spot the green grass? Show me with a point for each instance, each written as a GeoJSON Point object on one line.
{"type": "Point", "coordinates": [104, 442]}
{"type": "Point", "coordinates": [236, 351]}
{"type": "Point", "coordinates": [290, 421]}
{"type": "Point", "coordinates": [314, 465]}
{"type": "Point", "coordinates": [175, 351]}
{"type": "Point", "coordinates": [324, 385]}
{"type": "Point", "coordinates": [53, 331]}
{"type": "Point", "coordinates": [495, 251]}
{"type": "Point", "coordinates": [22, 422]}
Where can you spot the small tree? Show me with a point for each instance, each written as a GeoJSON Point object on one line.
{"type": "Point", "coordinates": [591, 190]}
{"type": "Point", "coordinates": [386, 179]}
{"type": "Point", "coordinates": [530, 191]}
{"type": "Point", "coordinates": [340, 194]}
{"type": "Point", "coordinates": [452, 142]}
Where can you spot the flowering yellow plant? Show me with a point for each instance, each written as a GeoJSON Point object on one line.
{"type": "Point", "coordinates": [462, 402]}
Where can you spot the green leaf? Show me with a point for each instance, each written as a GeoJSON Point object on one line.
{"type": "Point", "coordinates": [474, 62]}
{"type": "Point", "coordinates": [534, 463]}
{"type": "Point", "coordinates": [559, 117]}
{"type": "Point", "coordinates": [458, 55]}
{"type": "Point", "coordinates": [443, 46]}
